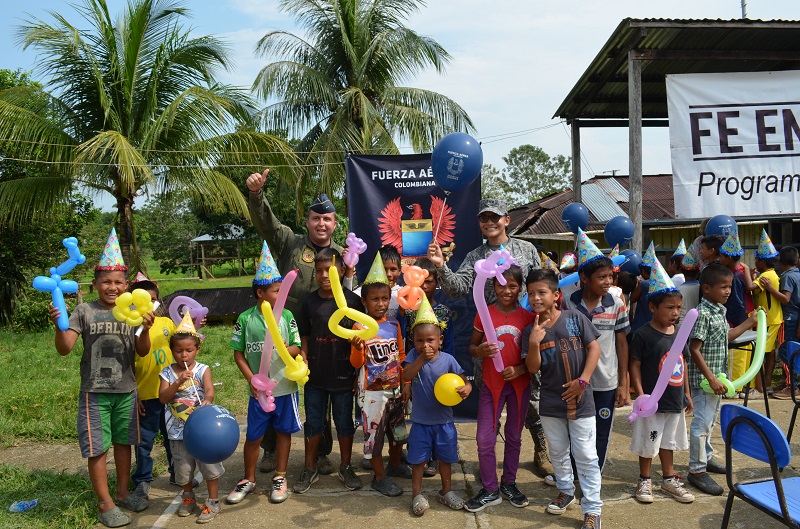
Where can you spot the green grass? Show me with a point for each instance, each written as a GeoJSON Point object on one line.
{"type": "Point", "coordinates": [39, 388]}
{"type": "Point", "coordinates": [65, 500]}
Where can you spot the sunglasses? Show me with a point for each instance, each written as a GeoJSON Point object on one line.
{"type": "Point", "coordinates": [489, 217]}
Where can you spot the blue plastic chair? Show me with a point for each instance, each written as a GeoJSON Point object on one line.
{"type": "Point", "coordinates": [793, 350]}
{"type": "Point", "coordinates": [756, 435]}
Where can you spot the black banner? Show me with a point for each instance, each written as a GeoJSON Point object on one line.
{"type": "Point", "coordinates": [394, 200]}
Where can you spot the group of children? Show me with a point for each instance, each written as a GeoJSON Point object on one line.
{"type": "Point", "coordinates": [580, 343]}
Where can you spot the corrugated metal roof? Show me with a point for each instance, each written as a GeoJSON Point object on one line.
{"type": "Point", "coordinates": [677, 46]}
{"type": "Point", "coordinates": [601, 204]}
{"type": "Point", "coordinates": [614, 189]}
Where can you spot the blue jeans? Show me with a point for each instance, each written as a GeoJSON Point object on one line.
{"type": "Point", "coordinates": [575, 437]}
{"type": "Point", "coordinates": [316, 404]}
{"type": "Point", "coordinates": [149, 425]}
{"type": "Point", "coordinates": [706, 410]}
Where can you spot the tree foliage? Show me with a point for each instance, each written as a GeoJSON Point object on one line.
{"type": "Point", "coordinates": [529, 175]}
{"type": "Point", "coordinates": [131, 104]}
{"type": "Point", "coordinates": [340, 89]}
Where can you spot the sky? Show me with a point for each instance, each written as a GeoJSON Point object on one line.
{"type": "Point", "coordinates": [513, 61]}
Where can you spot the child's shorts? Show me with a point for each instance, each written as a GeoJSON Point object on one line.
{"type": "Point", "coordinates": [660, 430]}
{"type": "Point", "coordinates": [772, 336]}
{"type": "Point", "coordinates": [105, 418]}
{"type": "Point", "coordinates": [432, 441]}
{"type": "Point", "coordinates": [384, 415]}
{"type": "Point", "coordinates": [285, 418]}
{"type": "Point", "coordinates": [184, 464]}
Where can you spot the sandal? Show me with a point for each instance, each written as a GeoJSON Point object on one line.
{"type": "Point", "coordinates": [134, 503]}
{"type": "Point", "coordinates": [451, 499]}
{"type": "Point", "coordinates": [113, 518]}
{"type": "Point", "coordinates": [419, 505]}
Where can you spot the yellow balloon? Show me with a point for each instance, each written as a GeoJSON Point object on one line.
{"type": "Point", "coordinates": [124, 300]}
{"type": "Point", "coordinates": [119, 314]}
{"type": "Point", "coordinates": [445, 389]}
{"type": "Point", "coordinates": [343, 311]}
{"type": "Point", "coordinates": [296, 369]}
{"type": "Point", "coordinates": [141, 297]}
{"type": "Point", "coordinates": [134, 322]}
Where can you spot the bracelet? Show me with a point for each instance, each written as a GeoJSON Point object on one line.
{"type": "Point", "coordinates": [582, 383]}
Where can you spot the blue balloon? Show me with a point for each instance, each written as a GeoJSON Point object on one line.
{"type": "Point", "coordinates": [721, 225]}
{"type": "Point", "coordinates": [619, 230]}
{"type": "Point", "coordinates": [456, 161]}
{"type": "Point", "coordinates": [57, 286]}
{"type": "Point", "coordinates": [632, 262]}
{"type": "Point", "coordinates": [211, 434]}
{"type": "Point", "coordinates": [575, 216]}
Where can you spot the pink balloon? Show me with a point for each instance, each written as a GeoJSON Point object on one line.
{"type": "Point", "coordinates": [180, 304]}
{"type": "Point", "coordinates": [355, 247]}
{"type": "Point", "coordinates": [647, 405]}
{"type": "Point", "coordinates": [261, 381]}
{"type": "Point", "coordinates": [493, 266]}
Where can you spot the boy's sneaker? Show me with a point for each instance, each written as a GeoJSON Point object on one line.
{"type": "Point", "coordinates": [591, 521]}
{"type": "Point", "coordinates": [387, 487]}
{"type": "Point", "coordinates": [674, 488]}
{"type": "Point", "coordinates": [365, 464]}
{"type": "Point", "coordinates": [268, 462]}
{"type": "Point", "coordinates": [644, 490]}
{"type": "Point", "coordinates": [705, 483]}
{"type": "Point", "coordinates": [560, 504]}
{"type": "Point", "coordinates": [715, 467]}
{"type": "Point", "coordinates": [142, 490]}
{"type": "Point", "coordinates": [482, 500]}
{"type": "Point", "coordinates": [324, 466]}
{"type": "Point", "coordinates": [510, 492]}
{"type": "Point", "coordinates": [550, 480]}
{"type": "Point", "coordinates": [209, 511]}
{"type": "Point", "coordinates": [307, 478]}
{"type": "Point", "coordinates": [431, 468]}
{"type": "Point", "coordinates": [279, 491]}
{"type": "Point", "coordinates": [349, 478]}
{"type": "Point", "coordinates": [242, 489]}
{"type": "Point", "coordinates": [188, 504]}
{"type": "Point", "coordinates": [400, 471]}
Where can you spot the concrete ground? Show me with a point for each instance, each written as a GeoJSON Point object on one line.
{"type": "Point", "coordinates": [329, 504]}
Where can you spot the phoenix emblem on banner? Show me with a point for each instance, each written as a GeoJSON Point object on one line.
{"type": "Point", "coordinates": [411, 236]}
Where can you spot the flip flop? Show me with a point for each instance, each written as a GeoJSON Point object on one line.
{"type": "Point", "coordinates": [114, 518]}
{"type": "Point", "coordinates": [419, 505]}
{"type": "Point", "coordinates": [451, 499]}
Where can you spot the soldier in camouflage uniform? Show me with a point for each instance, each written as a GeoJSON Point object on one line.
{"type": "Point", "coordinates": [493, 219]}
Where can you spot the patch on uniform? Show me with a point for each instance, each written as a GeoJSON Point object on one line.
{"type": "Point", "coordinates": [604, 413]}
{"type": "Point", "coordinates": [166, 332]}
{"type": "Point", "coordinates": [308, 255]}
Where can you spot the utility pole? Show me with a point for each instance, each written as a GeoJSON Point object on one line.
{"type": "Point", "coordinates": [744, 9]}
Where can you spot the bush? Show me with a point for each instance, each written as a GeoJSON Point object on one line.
{"type": "Point", "coordinates": [33, 313]}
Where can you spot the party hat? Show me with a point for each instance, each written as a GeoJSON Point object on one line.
{"type": "Point", "coordinates": [614, 252]}
{"type": "Point", "coordinates": [266, 271]}
{"type": "Point", "coordinates": [377, 273]}
{"type": "Point", "coordinates": [659, 280]}
{"type": "Point", "coordinates": [690, 261]}
{"type": "Point", "coordinates": [425, 314]}
{"type": "Point", "coordinates": [567, 262]}
{"type": "Point", "coordinates": [111, 258]}
{"type": "Point", "coordinates": [732, 247]}
{"type": "Point", "coordinates": [548, 263]}
{"type": "Point", "coordinates": [766, 250]}
{"type": "Point", "coordinates": [187, 326]}
{"type": "Point", "coordinates": [681, 249]}
{"type": "Point", "coordinates": [649, 256]}
{"type": "Point", "coordinates": [587, 251]}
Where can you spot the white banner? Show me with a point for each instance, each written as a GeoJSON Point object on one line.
{"type": "Point", "coordinates": [735, 143]}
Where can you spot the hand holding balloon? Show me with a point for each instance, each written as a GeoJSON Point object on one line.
{"type": "Point", "coordinates": [647, 405]}
{"type": "Point", "coordinates": [355, 247]}
{"type": "Point", "coordinates": [493, 266]}
{"type": "Point", "coordinates": [142, 303]}
{"type": "Point", "coordinates": [343, 311]}
{"type": "Point", "coordinates": [57, 286]}
{"type": "Point", "coordinates": [410, 296]}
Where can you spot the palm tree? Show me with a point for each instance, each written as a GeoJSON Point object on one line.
{"type": "Point", "coordinates": [133, 107]}
{"type": "Point", "coordinates": [340, 91]}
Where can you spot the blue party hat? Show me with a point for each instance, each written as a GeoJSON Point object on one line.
{"type": "Point", "coordinates": [766, 250]}
{"type": "Point", "coordinates": [266, 270]}
{"type": "Point", "coordinates": [649, 256]}
{"type": "Point", "coordinates": [587, 250]}
{"type": "Point", "coordinates": [681, 249]}
{"type": "Point", "coordinates": [111, 258]}
{"type": "Point", "coordinates": [690, 261]}
{"type": "Point", "coordinates": [660, 281]}
{"type": "Point", "coordinates": [732, 247]}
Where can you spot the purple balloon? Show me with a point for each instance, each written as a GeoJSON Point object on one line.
{"type": "Point", "coordinates": [493, 266]}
